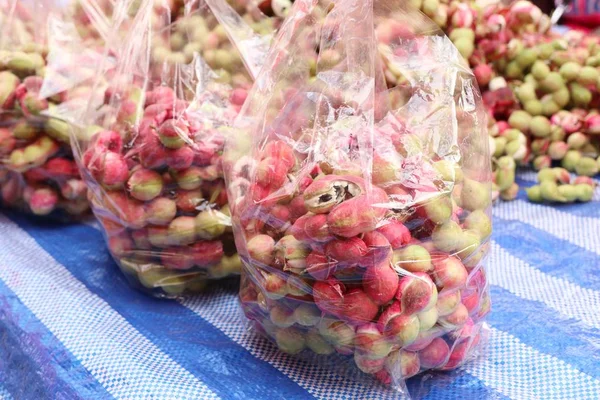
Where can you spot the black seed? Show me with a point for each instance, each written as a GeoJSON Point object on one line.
{"type": "Point", "coordinates": [325, 198]}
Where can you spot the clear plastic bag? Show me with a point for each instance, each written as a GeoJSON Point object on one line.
{"type": "Point", "coordinates": [360, 191]}
{"type": "Point", "coordinates": [37, 170]}
{"type": "Point", "coordinates": [159, 114]}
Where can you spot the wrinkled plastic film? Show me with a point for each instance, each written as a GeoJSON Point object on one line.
{"type": "Point", "coordinates": [159, 116]}
{"type": "Point", "coordinates": [360, 193]}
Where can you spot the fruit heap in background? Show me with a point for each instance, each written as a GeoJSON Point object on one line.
{"type": "Point", "coordinates": [542, 90]}
{"type": "Point", "coordinates": [37, 171]}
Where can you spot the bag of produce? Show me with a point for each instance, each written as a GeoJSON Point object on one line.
{"type": "Point", "coordinates": [359, 186]}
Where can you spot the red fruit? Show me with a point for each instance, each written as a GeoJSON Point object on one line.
{"type": "Point", "coordinates": [586, 180]}
{"type": "Point", "coordinates": [456, 319]}
{"type": "Point", "coordinates": [346, 250]}
{"type": "Point", "coordinates": [207, 253]}
{"type": "Point", "coordinates": [43, 201]}
{"type": "Point", "coordinates": [297, 207]}
{"type": "Point", "coordinates": [107, 141]}
{"type": "Point", "coordinates": [161, 94]}
{"type": "Point", "coordinates": [110, 170]}
{"type": "Point", "coordinates": [7, 142]}
{"type": "Point", "coordinates": [35, 175]}
{"type": "Point", "coordinates": [483, 74]}
{"type": "Point", "coordinates": [140, 237]}
{"type": "Point", "coordinates": [457, 356]}
{"type": "Point", "coordinates": [60, 168]}
{"type": "Point", "coordinates": [180, 159]}
{"type": "Point", "coordinates": [279, 216]}
{"type": "Point", "coordinates": [298, 229]}
{"type": "Point", "coordinates": [173, 134]}
{"type": "Point", "coordinates": [379, 249]}
{"type": "Point", "coordinates": [177, 258]}
{"type": "Point", "coordinates": [238, 96]}
{"type": "Point", "coordinates": [470, 299]}
{"type": "Point", "coordinates": [396, 233]}
{"type": "Point", "coordinates": [127, 211]}
{"type": "Point", "coordinates": [120, 245]}
{"type": "Point", "coordinates": [271, 172]}
{"type": "Point", "coordinates": [189, 200]}
{"type": "Point", "coordinates": [329, 296]}
{"type": "Point", "coordinates": [358, 307]}
{"type": "Point", "coordinates": [318, 266]}
{"type": "Point", "coordinates": [416, 293]}
{"type": "Point", "coordinates": [152, 154]}
{"type": "Point", "coordinates": [380, 283]}
{"type": "Point", "coordinates": [316, 228]}
{"type": "Point", "coordinates": [435, 354]}
{"type": "Point", "coordinates": [280, 151]}
{"type": "Point", "coordinates": [73, 189]}
{"type": "Point", "coordinates": [449, 273]}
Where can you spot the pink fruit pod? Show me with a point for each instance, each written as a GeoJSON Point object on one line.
{"type": "Point", "coordinates": [360, 190]}
{"type": "Point", "coordinates": [154, 159]}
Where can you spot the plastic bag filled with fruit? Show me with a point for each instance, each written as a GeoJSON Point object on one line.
{"type": "Point", "coordinates": [37, 170]}
{"type": "Point", "coordinates": [360, 190]}
{"type": "Point", "coordinates": [156, 122]}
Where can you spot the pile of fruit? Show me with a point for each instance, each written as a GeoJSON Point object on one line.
{"type": "Point", "coordinates": [542, 90]}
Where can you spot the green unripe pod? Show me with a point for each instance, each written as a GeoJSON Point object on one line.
{"type": "Point", "coordinates": [465, 47]}
{"type": "Point", "coordinates": [570, 71]}
{"type": "Point", "coordinates": [588, 76]}
{"type": "Point", "coordinates": [549, 191]}
{"type": "Point", "coordinates": [586, 166]}
{"type": "Point", "coordinates": [520, 120]}
{"type": "Point", "coordinates": [546, 174]}
{"type": "Point", "coordinates": [526, 92]}
{"type": "Point", "coordinates": [571, 159]}
{"type": "Point", "coordinates": [462, 32]}
{"type": "Point", "coordinates": [569, 192]}
{"type": "Point", "coordinates": [534, 194]}
{"type": "Point", "coordinates": [545, 50]}
{"type": "Point", "coordinates": [500, 144]}
{"type": "Point", "coordinates": [540, 126]}
{"type": "Point", "coordinates": [512, 134]}
{"type": "Point", "coordinates": [430, 7]}
{"type": "Point", "coordinates": [513, 70]}
{"type": "Point", "coordinates": [561, 97]}
{"type": "Point", "coordinates": [584, 192]}
{"type": "Point", "coordinates": [557, 134]}
{"type": "Point", "coordinates": [540, 70]}
{"type": "Point", "coordinates": [549, 107]}
{"type": "Point", "coordinates": [534, 107]}
{"type": "Point", "coordinates": [530, 80]}
{"type": "Point", "coordinates": [581, 95]}
{"type": "Point", "coordinates": [577, 140]}
{"type": "Point", "coordinates": [552, 82]}
{"type": "Point", "coordinates": [526, 57]}
{"type": "Point", "coordinates": [516, 150]}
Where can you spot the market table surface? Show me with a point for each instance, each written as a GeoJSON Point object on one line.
{"type": "Point", "coordinates": [71, 328]}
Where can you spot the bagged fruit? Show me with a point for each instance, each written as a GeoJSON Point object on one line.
{"type": "Point", "coordinates": [360, 191]}
{"type": "Point", "coordinates": [37, 170]}
{"type": "Point", "coordinates": [159, 112]}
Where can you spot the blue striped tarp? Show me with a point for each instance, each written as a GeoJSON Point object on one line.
{"type": "Point", "coordinates": [71, 328]}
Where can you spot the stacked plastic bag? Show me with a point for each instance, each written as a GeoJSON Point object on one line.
{"type": "Point", "coordinates": [160, 113]}
{"type": "Point", "coordinates": [360, 192]}
{"type": "Point", "coordinates": [37, 170]}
